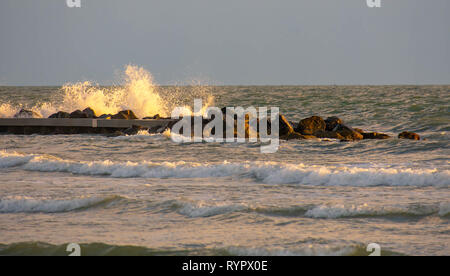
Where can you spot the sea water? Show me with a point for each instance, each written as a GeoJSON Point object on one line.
{"type": "Point", "coordinates": [146, 195]}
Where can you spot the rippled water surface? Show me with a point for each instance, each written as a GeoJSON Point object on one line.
{"type": "Point", "coordinates": [147, 195]}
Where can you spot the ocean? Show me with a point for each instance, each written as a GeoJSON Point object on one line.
{"type": "Point", "coordinates": [146, 195]}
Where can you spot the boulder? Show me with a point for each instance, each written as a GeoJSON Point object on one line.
{"type": "Point", "coordinates": [348, 133]}
{"type": "Point", "coordinates": [115, 133]}
{"type": "Point", "coordinates": [90, 113]}
{"type": "Point", "coordinates": [23, 113]}
{"type": "Point", "coordinates": [156, 117]}
{"type": "Point", "coordinates": [310, 125]}
{"type": "Point", "coordinates": [60, 115]}
{"type": "Point", "coordinates": [332, 123]}
{"type": "Point", "coordinates": [375, 135]}
{"type": "Point", "coordinates": [105, 116]}
{"type": "Point", "coordinates": [409, 135]}
{"type": "Point", "coordinates": [297, 136]}
{"type": "Point", "coordinates": [328, 134]}
{"type": "Point", "coordinates": [359, 130]}
{"type": "Point", "coordinates": [125, 115]}
{"type": "Point", "coordinates": [293, 124]}
{"type": "Point", "coordinates": [78, 114]}
{"type": "Point", "coordinates": [285, 127]}
{"type": "Point", "coordinates": [133, 130]}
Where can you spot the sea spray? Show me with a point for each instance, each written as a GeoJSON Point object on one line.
{"type": "Point", "coordinates": [138, 92]}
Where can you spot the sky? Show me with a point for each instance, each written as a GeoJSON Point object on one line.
{"type": "Point", "coordinates": [232, 42]}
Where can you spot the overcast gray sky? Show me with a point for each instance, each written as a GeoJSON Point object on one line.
{"type": "Point", "coordinates": [43, 42]}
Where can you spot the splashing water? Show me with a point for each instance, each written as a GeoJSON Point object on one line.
{"type": "Point", "coordinates": [7, 110]}
{"type": "Point", "coordinates": [138, 93]}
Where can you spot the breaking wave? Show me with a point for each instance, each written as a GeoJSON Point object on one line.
{"type": "Point", "coordinates": [201, 209]}
{"type": "Point", "coordinates": [326, 211]}
{"type": "Point", "coordinates": [138, 92]}
{"type": "Point", "coordinates": [102, 249]}
{"type": "Point", "coordinates": [265, 172]}
{"type": "Point", "coordinates": [31, 205]}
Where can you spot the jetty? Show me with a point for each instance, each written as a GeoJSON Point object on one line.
{"type": "Point", "coordinates": [78, 125]}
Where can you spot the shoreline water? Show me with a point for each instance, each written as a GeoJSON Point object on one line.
{"type": "Point", "coordinates": [309, 198]}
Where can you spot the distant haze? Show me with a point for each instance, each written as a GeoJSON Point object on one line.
{"type": "Point", "coordinates": [247, 42]}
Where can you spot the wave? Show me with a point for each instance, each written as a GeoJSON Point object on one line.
{"type": "Point", "coordinates": [444, 209]}
{"type": "Point", "coordinates": [266, 172]}
{"type": "Point", "coordinates": [201, 209]}
{"type": "Point", "coordinates": [364, 210]}
{"type": "Point", "coordinates": [30, 205]}
{"type": "Point", "coordinates": [326, 211]}
{"type": "Point", "coordinates": [102, 249]}
{"type": "Point", "coordinates": [139, 92]}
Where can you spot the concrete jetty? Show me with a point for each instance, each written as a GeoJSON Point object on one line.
{"type": "Point", "coordinates": [76, 126]}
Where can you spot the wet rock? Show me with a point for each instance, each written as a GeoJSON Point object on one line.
{"type": "Point", "coordinates": [297, 136]}
{"type": "Point", "coordinates": [359, 130]}
{"type": "Point", "coordinates": [310, 125]}
{"type": "Point", "coordinates": [60, 115]}
{"type": "Point", "coordinates": [23, 113]}
{"type": "Point", "coordinates": [332, 123]}
{"type": "Point", "coordinates": [125, 115]}
{"type": "Point", "coordinates": [115, 134]}
{"type": "Point", "coordinates": [105, 116]}
{"type": "Point", "coordinates": [348, 133]}
{"type": "Point", "coordinates": [375, 135]}
{"type": "Point", "coordinates": [90, 113]}
{"type": "Point", "coordinates": [285, 127]}
{"type": "Point", "coordinates": [409, 135]}
{"type": "Point", "coordinates": [328, 134]}
{"type": "Point", "coordinates": [156, 117]}
{"type": "Point", "coordinates": [78, 114]}
{"type": "Point", "coordinates": [133, 130]}
{"type": "Point", "coordinates": [293, 124]}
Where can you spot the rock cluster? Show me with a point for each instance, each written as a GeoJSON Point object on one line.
{"type": "Point", "coordinates": [309, 128]}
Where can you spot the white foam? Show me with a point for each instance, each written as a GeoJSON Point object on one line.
{"type": "Point", "coordinates": [201, 209]}
{"type": "Point", "coordinates": [266, 172]}
{"type": "Point", "coordinates": [8, 160]}
{"type": "Point", "coordinates": [307, 250]}
{"type": "Point", "coordinates": [138, 92]}
{"type": "Point", "coordinates": [30, 205]}
{"type": "Point", "coordinates": [347, 211]}
{"type": "Point", "coordinates": [339, 211]}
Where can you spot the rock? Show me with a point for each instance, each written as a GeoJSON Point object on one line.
{"type": "Point", "coordinates": [60, 115]}
{"type": "Point", "coordinates": [115, 134]}
{"type": "Point", "coordinates": [409, 135]}
{"type": "Point", "coordinates": [359, 130]}
{"type": "Point", "coordinates": [375, 135]}
{"type": "Point", "coordinates": [105, 116]}
{"type": "Point", "coordinates": [77, 114]}
{"type": "Point", "coordinates": [23, 113]}
{"type": "Point", "coordinates": [285, 127]}
{"type": "Point", "coordinates": [125, 115]}
{"type": "Point", "coordinates": [156, 117]}
{"type": "Point", "coordinates": [90, 113]}
{"type": "Point", "coordinates": [328, 134]}
{"type": "Point", "coordinates": [297, 136]}
{"type": "Point", "coordinates": [293, 124]}
{"type": "Point", "coordinates": [310, 125]}
{"type": "Point", "coordinates": [348, 133]}
{"type": "Point", "coordinates": [133, 130]}
{"type": "Point", "coordinates": [332, 122]}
